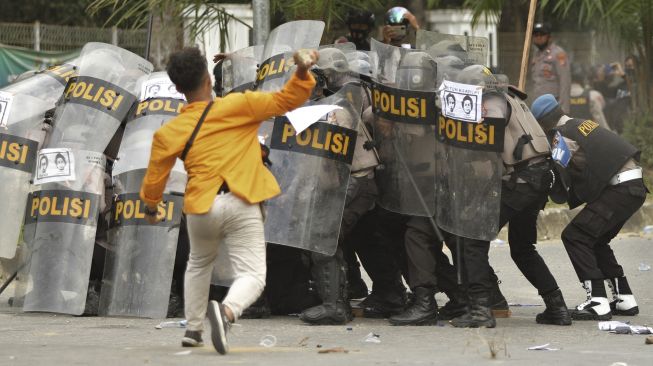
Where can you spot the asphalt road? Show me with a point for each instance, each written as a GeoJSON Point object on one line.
{"type": "Point", "coordinates": [48, 339]}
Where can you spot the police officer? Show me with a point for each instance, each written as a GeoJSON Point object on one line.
{"type": "Point", "coordinates": [550, 72]}
{"type": "Point", "coordinates": [525, 185]}
{"type": "Point", "coordinates": [329, 272]}
{"type": "Point", "coordinates": [585, 102]}
{"type": "Point", "coordinates": [400, 26]}
{"type": "Point", "coordinates": [360, 24]}
{"type": "Point", "coordinates": [599, 168]}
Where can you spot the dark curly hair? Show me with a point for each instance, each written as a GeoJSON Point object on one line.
{"type": "Point", "coordinates": [186, 68]}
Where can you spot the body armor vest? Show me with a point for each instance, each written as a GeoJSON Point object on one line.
{"type": "Point", "coordinates": [605, 154]}
{"type": "Point", "coordinates": [524, 138]}
{"type": "Point", "coordinates": [580, 105]}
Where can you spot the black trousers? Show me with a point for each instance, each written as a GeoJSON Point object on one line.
{"type": "Point", "coordinates": [587, 238]}
{"type": "Point", "coordinates": [378, 239]}
{"type": "Point", "coordinates": [520, 206]}
{"type": "Point", "coordinates": [428, 266]}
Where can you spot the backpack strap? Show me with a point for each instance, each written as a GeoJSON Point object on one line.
{"type": "Point", "coordinates": [190, 141]}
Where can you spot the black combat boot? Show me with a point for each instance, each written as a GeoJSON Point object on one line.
{"type": "Point", "coordinates": [455, 307]}
{"type": "Point", "coordinates": [423, 311]}
{"type": "Point", "coordinates": [498, 303]}
{"type": "Point", "coordinates": [386, 300]}
{"type": "Point", "coordinates": [556, 311]}
{"type": "Point", "coordinates": [478, 315]}
{"type": "Point", "coordinates": [330, 278]}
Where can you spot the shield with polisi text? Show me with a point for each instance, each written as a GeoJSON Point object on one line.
{"type": "Point", "coordinates": [140, 256]}
{"type": "Point", "coordinates": [62, 214]}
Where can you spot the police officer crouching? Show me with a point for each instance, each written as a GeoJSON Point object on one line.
{"type": "Point", "coordinates": [525, 185]}
{"type": "Point", "coordinates": [597, 167]}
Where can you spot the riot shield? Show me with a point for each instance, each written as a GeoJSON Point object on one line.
{"type": "Point", "coordinates": [70, 172]}
{"type": "Point", "coordinates": [471, 50]}
{"type": "Point", "coordinates": [470, 166]}
{"type": "Point", "coordinates": [140, 257]}
{"type": "Point", "coordinates": [239, 69]}
{"type": "Point", "coordinates": [404, 107]}
{"type": "Point", "coordinates": [313, 170]}
{"type": "Point", "coordinates": [282, 41]}
{"type": "Point", "coordinates": [19, 140]}
{"type": "Point", "coordinates": [22, 109]}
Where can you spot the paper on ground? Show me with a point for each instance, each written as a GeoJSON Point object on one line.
{"type": "Point", "coordinates": [302, 118]}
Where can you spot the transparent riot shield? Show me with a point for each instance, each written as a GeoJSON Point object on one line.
{"type": "Point", "coordinates": [19, 141]}
{"type": "Point", "coordinates": [471, 50]}
{"type": "Point", "coordinates": [283, 40]}
{"type": "Point", "coordinates": [70, 175]}
{"type": "Point", "coordinates": [239, 69]}
{"type": "Point", "coordinates": [313, 170]}
{"type": "Point", "coordinates": [470, 167]}
{"type": "Point", "coordinates": [23, 110]}
{"type": "Point", "coordinates": [140, 256]}
{"type": "Point", "coordinates": [404, 106]}
{"type": "Point", "coordinates": [62, 220]}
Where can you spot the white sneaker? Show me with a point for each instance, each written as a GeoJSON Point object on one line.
{"type": "Point", "coordinates": [595, 308]}
{"type": "Point", "coordinates": [624, 305]}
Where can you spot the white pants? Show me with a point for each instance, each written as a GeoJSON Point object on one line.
{"type": "Point", "coordinates": [237, 227]}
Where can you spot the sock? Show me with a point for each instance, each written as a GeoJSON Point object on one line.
{"type": "Point", "coordinates": [598, 289]}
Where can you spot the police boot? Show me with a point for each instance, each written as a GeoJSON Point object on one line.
{"type": "Point", "coordinates": [455, 307]}
{"type": "Point", "coordinates": [479, 313]}
{"type": "Point", "coordinates": [423, 311]}
{"type": "Point", "coordinates": [556, 311]}
{"type": "Point", "coordinates": [596, 307]}
{"type": "Point", "coordinates": [330, 278]}
{"type": "Point", "coordinates": [623, 301]}
{"type": "Point", "coordinates": [498, 303]}
{"type": "Point", "coordinates": [385, 300]}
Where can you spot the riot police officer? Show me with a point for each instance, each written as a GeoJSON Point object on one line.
{"type": "Point", "coordinates": [400, 26]}
{"type": "Point", "coordinates": [599, 168]}
{"type": "Point", "coordinates": [525, 184]}
{"type": "Point", "coordinates": [584, 101]}
{"type": "Point", "coordinates": [360, 24]}
{"type": "Point", "coordinates": [550, 72]}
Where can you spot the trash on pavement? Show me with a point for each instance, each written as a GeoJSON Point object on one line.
{"type": "Point", "coordinates": [648, 340]}
{"type": "Point", "coordinates": [183, 353]}
{"type": "Point", "coordinates": [333, 350]}
{"type": "Point", "coordinates": [172, 324]}
{"type": "Point", "coordinates": [618, 327]}
{"type": "Point", "coordinates": [268, 341]}
{"type": "Point", "coordinates": [543, 347]}
{"type": "Point", "coordinates": [372, 338]}
{"type": "Point", "coordinates": [648, 229]}
{"type": "Point", "coordinates": [644, 267]}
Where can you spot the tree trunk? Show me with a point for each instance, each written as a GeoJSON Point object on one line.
{"type": "Point", "coordinates": [167, 36]}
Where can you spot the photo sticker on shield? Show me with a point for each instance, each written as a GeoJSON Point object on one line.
{"type": "Point", "coordinates": [55, 165]}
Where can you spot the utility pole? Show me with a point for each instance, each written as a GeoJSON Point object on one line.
{"type": "Point", "coordinates": [261, 10]}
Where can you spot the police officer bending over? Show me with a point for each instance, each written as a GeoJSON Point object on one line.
{"type": "Point", "coordinates": [525, 185]}
{"type": "Point", "coordinates": [599, 168]}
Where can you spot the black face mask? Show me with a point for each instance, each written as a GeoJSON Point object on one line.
{"type": "Point", "coordinates": [542, 47]}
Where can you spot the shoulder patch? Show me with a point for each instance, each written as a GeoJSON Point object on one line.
{"type": "Point", "coordinates": [587, 126]}
{"type": "Point", "coordinates": [562, 58]}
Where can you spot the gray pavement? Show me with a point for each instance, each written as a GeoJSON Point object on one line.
{"type": "Point", "coordinates": [48, 339]}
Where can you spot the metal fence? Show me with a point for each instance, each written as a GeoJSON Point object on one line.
{"type": "Point", "coordinates": [43, 37]}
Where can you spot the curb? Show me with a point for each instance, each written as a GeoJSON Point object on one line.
{"type": "Point", "coordinates": [552, 221]}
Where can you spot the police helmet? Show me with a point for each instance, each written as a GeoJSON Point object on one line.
{"type": "Point", "coordinates": [396, 16]}
{"type": "Point", "coordinates": [360, 63]}
{"type": "Point", "coordinates": [477, 75]}
{"type": "Point", "coordinates": [578, 73]}
{"type": "Point", "coordinates": [417, 71]}
{"type": "Point", "coordinates": [361, 17]}
{"type": "Point", "coordinates": [332, 58]}
{"type": "Point", "coordinates": [543, 28]}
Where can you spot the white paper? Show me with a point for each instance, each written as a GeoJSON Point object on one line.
{"type": "Point", "coordinates": [302, 118]}
{"type": "Point", "coordinates": [160, 88]}
{"type": "Point", "coordinates": [5, 107]}
{"type": "Point", "coordinates": [611, 325]}
{"type": "Point", "coordinates": [543, 347]}
{"type": "Point", "coordinates": [461, 101]}
{"type": "Point", "coordinates": [55, 165]}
